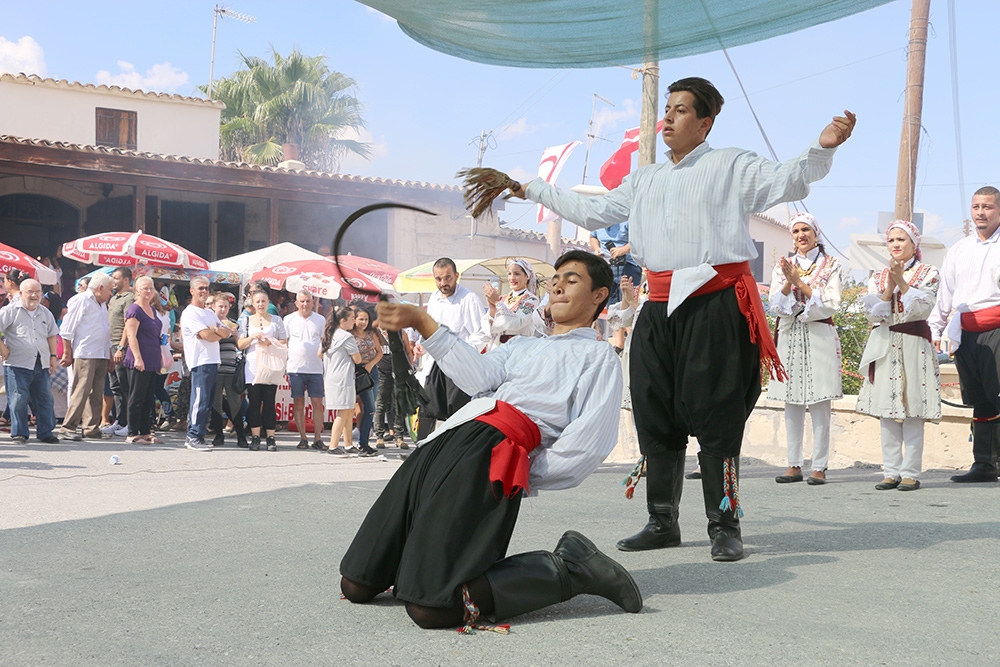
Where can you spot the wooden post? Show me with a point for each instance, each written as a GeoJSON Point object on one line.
{"type": "Point", "coordinates": [648, 114]}
{"type": "Point", "coordinates": [139, 217]}
{"type": "Point", "coordinates": [906, 178]}
{"type": "Point", "coordinates": [272, 212]}
{"type": "Point", "coordinates": [554, 237]}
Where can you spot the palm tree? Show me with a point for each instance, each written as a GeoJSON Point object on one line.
{"type": "Point", "coordinates": [296, 101]}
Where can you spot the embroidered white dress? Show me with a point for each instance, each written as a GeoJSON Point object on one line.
{"type": "Point", "coordinates": [907, 379]}
{"type": "Point", "coordinates": [513, 317]}
{"type": "Point", "coordinates": [808, 347]}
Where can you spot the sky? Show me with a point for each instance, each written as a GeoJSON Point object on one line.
{"type": "Point", "coordinates": [425, 111]}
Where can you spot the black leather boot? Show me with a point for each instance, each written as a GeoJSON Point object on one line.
{"type": "Point", "coordinates": [723, 524]}
{"type": "Point", "coordinates": [664, 484]}
{"type": "Point", "coordinates": [538, 579]}
{"type": "Point", "coordinates": [985, 451]}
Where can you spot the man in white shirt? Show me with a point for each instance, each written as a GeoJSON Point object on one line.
{"type": "Point", "coordinates": [701, 339]}
{"type": "Point", "coordinates": [201, 331]}
{"type": "Point", "coordinates": [28, 349]}
{"type": "Point", "coordinates": [968, 310]}
{"type": "Point", "coordinates": [461, 310]}
{"type": "Point", "coordinates": [86, 335]}
{"type": "Point", "coordinates": [545, 417]}
{"type": "Point", "coordinates": [305, 367]}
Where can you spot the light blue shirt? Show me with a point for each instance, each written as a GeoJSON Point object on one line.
{"type": "Point", "coordinates": [569, 385]}
{"type": "Point", "coordinates": [696, 211]}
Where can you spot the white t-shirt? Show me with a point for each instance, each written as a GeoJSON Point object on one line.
{"type": "Point", "coordinates": [199, 352]}
{"type": "Point", "coordinates": [305, 336]}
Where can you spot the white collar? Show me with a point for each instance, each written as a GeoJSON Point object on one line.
{"type": "Point", "coordinates": [809, 259]}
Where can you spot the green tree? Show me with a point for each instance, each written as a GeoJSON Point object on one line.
{"type": "Point", "coordinates": [853, 328]}
{"type": "Point", "coordinates": [295, 100]}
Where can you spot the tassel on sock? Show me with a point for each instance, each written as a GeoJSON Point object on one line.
{"type": "Point", "coordinates": [731, 488]}
{"type": "Point", "coordinates": [472, 615]}
{"type": "Point", "coordinates": [633, 478]}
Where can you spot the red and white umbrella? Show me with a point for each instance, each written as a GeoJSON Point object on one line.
{"type": "Point", "coordinates": [369, 267]}
{"type": "Point", "coordinates": [12, 258]}
{"type": "Point", "coordinates": [321, 278]}
{"type": "Point", "coordinates": [131, 248]}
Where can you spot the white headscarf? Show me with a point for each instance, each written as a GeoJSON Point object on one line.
{"type": "Point", "coordinates": [805, 218]}
{"type": "Point", "coordinates": [528, 271]}
{"type": "Point", "coordinates": [911, 231]}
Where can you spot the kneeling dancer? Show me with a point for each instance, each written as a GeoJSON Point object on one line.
{"type": "Point", "coordinates": [545, 417]}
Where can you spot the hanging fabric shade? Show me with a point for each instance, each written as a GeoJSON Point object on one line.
{"type": "Point", "coordinates": [598, 33]}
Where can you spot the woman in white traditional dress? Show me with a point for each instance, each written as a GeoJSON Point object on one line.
{"type": "Point", "coordinates": [902, 385]}
{"type": "Point", "coordinates": [805, 293]}
{"type": "Point", "coordinates": [510, 316]}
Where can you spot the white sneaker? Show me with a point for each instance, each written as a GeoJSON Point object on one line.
{"type": "Point", "coordinates": [122, 431]}
{"type": "Point", "coordinates": [111, 429]}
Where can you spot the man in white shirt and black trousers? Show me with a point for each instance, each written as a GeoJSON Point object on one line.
{"type": "Point", "coordinates": [701, 339]}
{"type": "Point", "coordinates": [461, 310]}
{"type": "Point", "coordinates": [544, 416]}
{"type": "Point", "coordinates": [968, 310]}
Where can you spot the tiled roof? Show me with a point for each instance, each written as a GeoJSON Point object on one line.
{"type": "Point", "coordinates": [34, 80]}
{"type": "Point", "coordinates": [181, 159]}
{"type": "Point", "coordinates": [525, 235]}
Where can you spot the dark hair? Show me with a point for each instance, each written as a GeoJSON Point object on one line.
{"type": "Point", "coordinates": [708, 100]}
{"type": "Point", "coordinates": [444, 263]}
{"type": "Point", "coordinates": [55, 305]}
{"type": "Point", "coordinates": [333, 320]}
{"type": "Point", "coordinates": [988, 191]}
{"type": "Point", "coordinates": [125, 272]}
{"type": "Point", "coordinates": [259, 291]}
{"type": "Point", "coordinates": [17, 276]}
{"type": "Point", "coordinates": [597, 268]}
{"type": "Point", "coordinates": [358, 309]}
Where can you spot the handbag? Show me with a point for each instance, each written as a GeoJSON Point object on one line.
{"type": "Point", "coordinates": [240, 374]}
{"type": "Point", "coordinates": [363, 380]}
{"type": "Point", "coordinates": [270, 363]}
{"type": "Point", "coordinates": [166, 359]}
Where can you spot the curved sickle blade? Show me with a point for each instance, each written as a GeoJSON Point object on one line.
{"type": "Point", "coordinates": [408, 395]}
{"type": "Point", "coordinates": [351, 219]}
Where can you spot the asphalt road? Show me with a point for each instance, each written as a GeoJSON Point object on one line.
{"type": "Point", "coordinates": [231, 558]}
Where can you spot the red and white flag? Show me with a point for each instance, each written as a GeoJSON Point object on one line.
{"type": "Point", "coordinates": [619, 165]}
{"type": "Point", "coordinates": [553, 159]}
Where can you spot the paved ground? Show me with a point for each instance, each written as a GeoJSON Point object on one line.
{"type": "Point", "coordinates": [230, 558]}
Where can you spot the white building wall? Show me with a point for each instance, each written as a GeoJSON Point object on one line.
{"type": "Point", "coordinates": [34, 108]}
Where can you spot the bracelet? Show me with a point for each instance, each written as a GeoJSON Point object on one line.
{"type": "Point", "coordinates": [53, 356]}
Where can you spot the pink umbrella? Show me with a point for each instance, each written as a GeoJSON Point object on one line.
{"type": "Point", "coordinates": [321, 277]}
{"type": "Point", "coordinates": [12, 258]}
{"type": "Point", "coordinates": [131, 248]}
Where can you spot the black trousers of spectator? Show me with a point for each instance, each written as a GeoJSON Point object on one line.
{"type": "Point", "coordinates": [385, 407]}
{"type": "Point", "coordinates": [227, 402]}
{"type": "Point", "coordinates": [260, 413]}
{"type": "Point", "coordinates": [120, 390]}
{"type": "Point", "coordinates": [141, 389]}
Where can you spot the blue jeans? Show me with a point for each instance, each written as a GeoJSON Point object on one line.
{"type": "Point", "coordinates": [202, 392]}
{"type": "Point", "coordinates": [368, 413]}
{"type": "Point", "coordinates": [24, 385]}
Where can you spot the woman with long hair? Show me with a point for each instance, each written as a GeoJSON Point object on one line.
{"type": "Point", "coordinates": [805, 293]}
{"type": "Point", "coordinates": [369, 342]}
{"type": "Point", "coordinates": [142, 361]}
{"type": "Point", "coordinates": [340, 353]}
{"type": "Point", "coordinates": [262, 330]}
{"type": "Point", "coordinates": [902, 385]}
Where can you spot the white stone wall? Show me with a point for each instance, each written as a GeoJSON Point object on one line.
{"type": "Point", "coordinates": [33, 108]}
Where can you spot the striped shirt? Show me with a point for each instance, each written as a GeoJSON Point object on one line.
{"type": "Point", "coordinates": [695, 212]}
{"type": "Point", "coordinates": [570, 385]}
{"type": "Point", "coordinates": [968, 282]}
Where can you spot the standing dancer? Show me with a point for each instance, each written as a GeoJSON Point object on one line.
{"type": "Point", "coordinates": [804, 295]}
{"type": "Point", "coordinates": [698, 344]}
{"type": "Point", "coordinates": [439, 531]}
{"type": "Point", "coordinates": [968, 310]}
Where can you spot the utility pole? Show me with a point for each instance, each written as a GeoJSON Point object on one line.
{"type": "Point", "coordinates": [485, 141]}
{"type": "Point", "coordinates": [650, 86]}
{"type": "Point", "coordinates": [590, 134]}
{"type": "Point", "coordinates": [906, 178]}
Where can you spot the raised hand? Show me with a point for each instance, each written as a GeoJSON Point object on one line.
{"type": "Point", "coordinates": [838, 131]}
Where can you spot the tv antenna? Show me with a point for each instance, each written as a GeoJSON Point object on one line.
{"type": "Point", "coordinates": [223, 12]}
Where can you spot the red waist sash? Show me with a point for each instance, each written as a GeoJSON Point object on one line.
{"type": "Point", "coordinates": [919, 328]}
{"type": "Point", "coordinates": [738, 276]}
{"type": "Point", "coordinates": [981, 320]}
{"type": "Point", "coordinates": [509, 463]}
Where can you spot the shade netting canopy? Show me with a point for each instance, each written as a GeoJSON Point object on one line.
{"type": "Point", "coordinates": [599, 33]}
